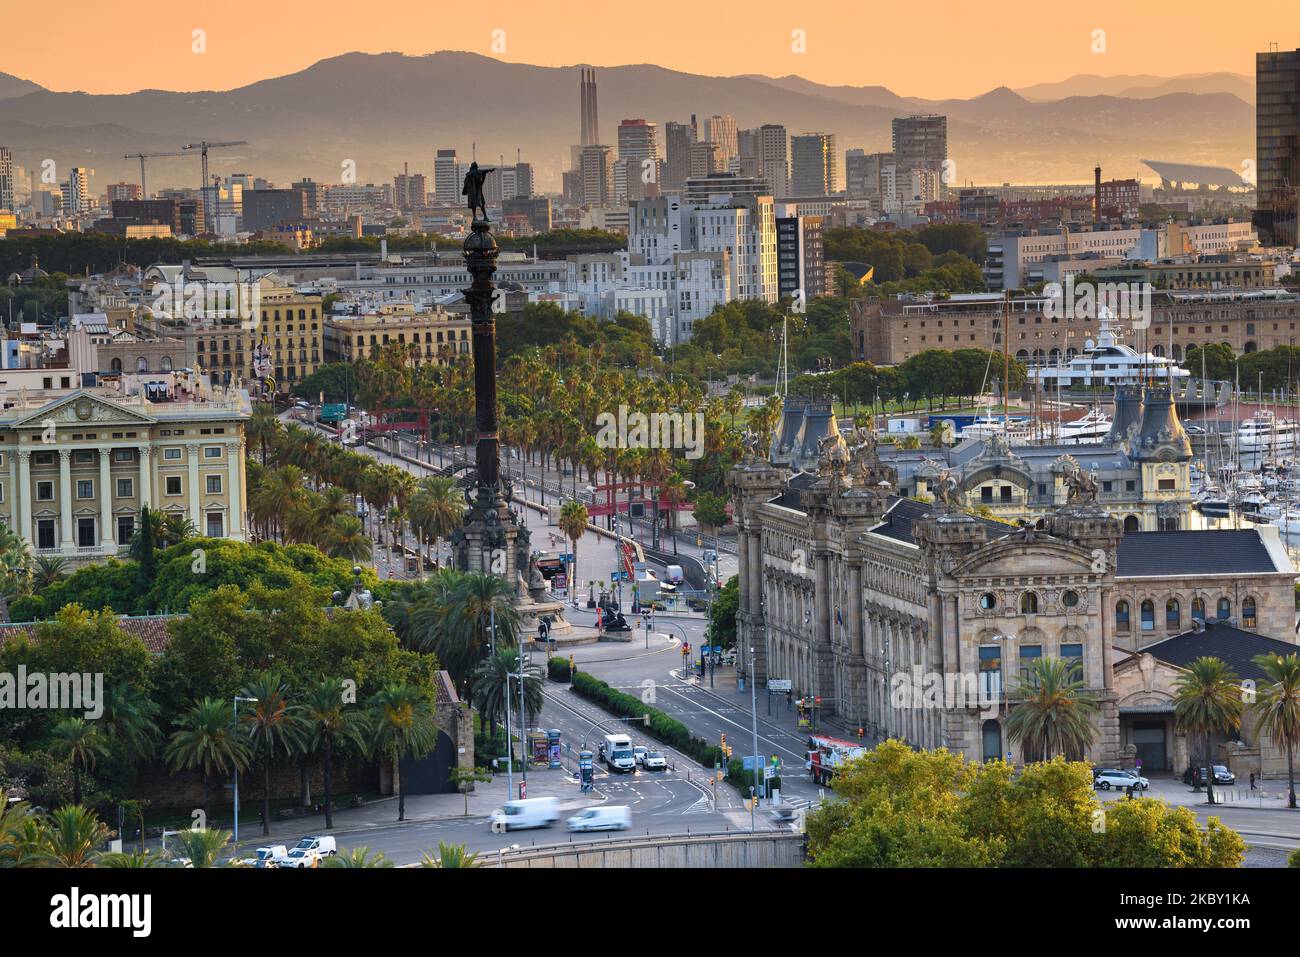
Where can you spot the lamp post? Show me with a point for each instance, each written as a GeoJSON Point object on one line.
{"type": "Point", "coordinates": [753, 715]}
{"type": "Point", "coordinates": [234, 719]}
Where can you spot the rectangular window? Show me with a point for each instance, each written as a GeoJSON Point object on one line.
{"type": "Point", "coordinates": [990, 671]}
{"type": "Point", "coordinates": [45, 491]}
{"type": "Point", "coordinates": [45, 533]}
{"type": "Point", "coordinates": [172, 455]}
{"type": "Point", "coordinates": [85, 488]}
{"type": "Point", "coordinates": [1166, 485]}
{"type": "Point", "coordinates": [986, 493]}
{"type": "Point", "coordinates": [215, 524]}
{"type": "Point", "coordinates": [125, 529]}
{"type": "Point", "coordinates": [1028, 655]}
{"type": "Point", "coordinates": [1006, 493]}
{"type": "Point", "coordinates": [86, 532]}
{"type": "Point", "coordinates": [214, 484]}
{"type": "Point", "coordinates": [212, 452]}
{"type": "Point", "coordinates": [83, 458]}
{"type": "Point", "coordinates": [173, 485]}
{"type": "Point", "coordinates": [125, 488]}
{"type": "Point", "coordinates": [1072, 655]}
{"type": "Point", "coordinates": [124, 455]}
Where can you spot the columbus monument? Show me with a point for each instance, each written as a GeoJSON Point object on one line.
{"type": "Point", "coordinates": [492, 538]}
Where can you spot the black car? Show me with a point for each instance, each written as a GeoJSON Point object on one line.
{"type": "Point", "coordinates": [1221, 775]}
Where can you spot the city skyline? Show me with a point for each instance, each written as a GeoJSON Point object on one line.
{"type": "Point", "coordinates": [228, 56]}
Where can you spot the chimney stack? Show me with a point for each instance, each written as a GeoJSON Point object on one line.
{"type": "Point", "coordinates": [1096, 195]}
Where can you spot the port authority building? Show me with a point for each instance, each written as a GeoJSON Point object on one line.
{"type": "Point", "coordinates": [915, 619]}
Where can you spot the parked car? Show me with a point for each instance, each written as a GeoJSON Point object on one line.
{"type": "Point", "coordinates": [324, 845]}
{"type": "Point", "coordinates": [654, 761]}
{"type": "Point", "coordinates": [728, 657]}
{"type": "Point", "coordinates": [638, 755]}
{"type": "Point", "coordinates": [266, 856]}
{"type": "Point", "coordinates": [526, 812]}
{"type": "Point", "coordinates": [1121, 780]}
{"type": "Point", "coordinates": [1221, 775]}
{"type": "Point", "coordinates": [601, 819]}
{"type": "Point", "coordinates": [300, 858]}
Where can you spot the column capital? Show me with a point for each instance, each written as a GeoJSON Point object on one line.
{"type": "Point", "coordinates": [145, 451]}
{"type": "Point", "coordinates": [65, 454]}
{"type": "Point", "coordinates": [24, 454]}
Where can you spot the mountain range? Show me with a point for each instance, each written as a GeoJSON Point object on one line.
{"type": "Point", "coordinates": [381, 110]}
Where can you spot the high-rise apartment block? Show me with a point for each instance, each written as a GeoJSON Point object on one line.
{"type": "Point", "coordinates": [1277, 146]}
{"type": "Point", "coordinates": [813, 167]}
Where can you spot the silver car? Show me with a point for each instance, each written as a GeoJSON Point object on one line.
{"type": "Point", "coordinates": [1120, 780]}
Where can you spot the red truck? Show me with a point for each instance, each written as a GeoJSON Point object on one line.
{"type": "Point", "coordinates": [827, 755]}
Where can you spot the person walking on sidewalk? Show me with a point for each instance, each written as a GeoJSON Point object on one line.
{"type": "Point", "coordinates": [1252, 780]}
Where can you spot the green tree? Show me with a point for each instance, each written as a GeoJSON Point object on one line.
{"type": "Point", "coordinates": [1052, 714]}
{"type": "Point", "coordinates": [81, 743]}
{"type": "Point", "coordinates": [491, 691]}
{"type": "Point", "coordinates": [274, 728]}
{"type": "Point", "coordinates": [200, 846]}
{"type": "Point", "coordinates": [207, 740]}
{"type": "Point", "coordinates": [1207, 699]}
{"type": "Point", "coordinates": [449, 855]}
{"type": "Point", "coordinates": [573, 522]}
{"type": "Point", "coordinates": [358, 857]}
{"type": "Point", "coordinates": [331, 723]}
{"type": "Point", "coordinates": [1276, 708]}
{"type": "Point", "coordinates": [711, 510]}
{"type": "Point", "coordinates": [401, 726]}
{"type": "Point", "coordinates": [70, 837]}
{"type": "Point", "coordinates": [465, 778]}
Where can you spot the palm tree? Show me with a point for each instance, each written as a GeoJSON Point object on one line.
{"type": "Point", "coordinates": [201, 846]}
{"type": "Point", "coordinates": [1276, 708]}
{"type": "Point", "coordinates": [132, 859]}
{"type": "Point", "coordinates": [49, 570]}
{"type": "Point", "coordinates": [358, 857]}
{"type": "Point", "coordinates": [331, 723]}
{"type": "Point", "coordinates": [449, 855]}
{"type": "Point", "coordinates": [81, 743]}
{"type": "Point", "coordinates": [491, 692]}
{"type": "Point", "coordinates": [573, 522]}
{"type": "Point", "coordinates": [69, 837]}
{"type": "Point", "coordinates": [15, 818]}
{"type": "Point", "coordinates": [346, 538]}
{"type": "Point", "coordinates": [436, 509]}
{"type": "Point", "coordinates": [1207, 698]}
{"type": "Point", "coordinates": [15, 569]}
{"type": "Point", "coordinates": [1053, 714]}
{"type": "Point", "coordinates": [129, 716]}
{"type": "Point", "coordinates": [263, 428]}
{"type": "Point", "coordinates": [479, 601]}
{"type": "Point", "coordinates": [402, 725]}
{"type": "Point", "coordinates": [273, 727]}
{"type": "Point", "coordinates": [207, 740]}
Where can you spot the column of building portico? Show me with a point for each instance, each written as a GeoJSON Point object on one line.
{"type": "Point", "coordinates": [819, 651]}
{"type": "Point", "coordinates": [105, 501]}
{"type": "Point", "coordinates": [24, 504]}
{"type": "Point", "coordinates": [15, 496]}
{"type": "Point", "coordinates": [192, 450]}
{"type": "Point", "coordinates": [146, 476]}
{"type": "Point", "coordinates": [67, 542]}
{"type": "Point", "coordinates": [234, 468]}
{"type": "Point", "coordinates": [753, 543]}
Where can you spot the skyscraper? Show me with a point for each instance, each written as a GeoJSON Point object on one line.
{"type": "Point", "coordinates": [814, 170]}
{"type": "Point", "coordinates": [76, 192]}
{"type": "Point", "coordinates": [678, 138]}
{"type": "Point", "coordinates": [638, 151]}
{"type": "Point", "coordinates": [446, 178]}
{"type": "Point", "coordinates": [590, 123]}
{"type": "Point", "coordinates": [920, 142]}
{"type": "Point", "coordinates": [1277, 146]}
{"type": "Point", "coordinates": [774, 157]}
{"type": "Point", "coordinates": [6, 179]}
{"type": "Point", "coordinates": [597, 175]}
{"type": "Point", "coordinates": [722, 130]}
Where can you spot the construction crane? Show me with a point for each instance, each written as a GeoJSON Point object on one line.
{"type": "Point", "coordinates": [203, 146]}
{"type": "Point", "coordinates": [144, 192]}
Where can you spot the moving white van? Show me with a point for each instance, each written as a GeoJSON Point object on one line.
{"type": "Point", "coordinates": [617, 818]}
{"type": "Point", "coordinates": [525, 813]}
{"type": "Point", "coordinates": [616, 752]}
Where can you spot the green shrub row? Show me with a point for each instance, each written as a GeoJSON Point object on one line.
{"type": "Point", "coordinates": [557, 669]}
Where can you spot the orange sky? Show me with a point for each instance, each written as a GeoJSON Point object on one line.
{"type": "Point", "coordinates": [935, 49]}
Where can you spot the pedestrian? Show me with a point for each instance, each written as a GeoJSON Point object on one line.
{"type": "Point", "coordinates": [1252, 780]}
{"type": "Point", "coordinates": [1129, 789]}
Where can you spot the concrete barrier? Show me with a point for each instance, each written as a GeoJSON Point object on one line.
{"type": "Point", "coordinates": [734, 850]}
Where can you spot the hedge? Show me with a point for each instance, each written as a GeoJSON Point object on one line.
{"type": "Point", "coordinates": [557, 669]}
{"type": "Point", "coordinates": [662, 727]}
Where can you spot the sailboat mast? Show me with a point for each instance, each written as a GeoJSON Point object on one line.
{"type": "Point", "coordinates": [1006, 360]}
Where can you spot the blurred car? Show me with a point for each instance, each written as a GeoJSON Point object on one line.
{"type": "Point", "coordinates": [300, 858]}
{"type": "Point", "coordinates": [266, 856]}
{"type": "Point", "coordinates": [601, 819]}
{"type": "Point", "coordinates": [654, 761]}
{"type": "Point", "coordinates": [638, 755]}
{"type": "Point", "coordinates": [1120, 780]}
{"type": "Point", "coordinates": [1221, 775]}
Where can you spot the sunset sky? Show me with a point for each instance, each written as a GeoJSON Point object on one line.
{"type": "Point", "coordinates": [943, 48]}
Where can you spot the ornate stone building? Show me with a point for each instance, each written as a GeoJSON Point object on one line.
{"type": "Point", "coordinates": [915, 620]}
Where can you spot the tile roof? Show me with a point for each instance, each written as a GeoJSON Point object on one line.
{"type": "Point", "coordinates": [905, 511]}
{"type": "Point", "coordinates": [1232, 645]}
{"type": "Point", "coordinates": [1207, 552]}
{"type": "Point", "coordinates": [150, 629]}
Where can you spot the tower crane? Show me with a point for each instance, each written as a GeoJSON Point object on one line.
{"type": "Point", "coordinates": [144, 192]}
{"type": "Point", "coordinates": [203, 146]}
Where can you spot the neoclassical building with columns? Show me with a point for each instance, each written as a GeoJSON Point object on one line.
{"type": "Point", "coordinates": [76, 469]}
{"type": "Point", "coordinates": [916, 620]}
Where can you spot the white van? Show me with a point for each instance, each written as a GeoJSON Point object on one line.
{"type": "Point", "coordinates": [674, 574]}
{"type": "Point", "coordinates": [616, 752]}
{"type": "Point", "coordinates": [322, 844]}
{"type": "Point", "coordinates": [526, 812]}
{"type": "Point", "coordinates": [601, 819]}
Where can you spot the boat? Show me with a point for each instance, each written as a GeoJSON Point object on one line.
{"type": "Point", "coordinates": [1107, 362]}
{"type": "Point", "coordinates": [1093, 427]}
{"type": "Point", "coordinates": [1017, 430]}
{"type": "Point", "coordinates": [1211, 500]}
{"type": "Point", "coordinates": [1265, 433]}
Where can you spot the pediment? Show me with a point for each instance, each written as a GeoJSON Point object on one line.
{"type": "Point", "coordinates": [83, 409]}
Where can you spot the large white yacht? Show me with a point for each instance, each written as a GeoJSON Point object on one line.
{"type": "Point", "coordinates": [1107, 362]}
{"type": "Point", "coordinates": [1266, 434]}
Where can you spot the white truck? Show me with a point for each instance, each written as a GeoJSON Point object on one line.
{"type": "Point", "coordinates": [616, 752]}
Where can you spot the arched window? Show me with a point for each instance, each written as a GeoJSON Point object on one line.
{"type": "Point", "coordinates": [1225, 608]}
{"type": "Point", "coordinates": [1178, 352]}
{"type": "Point", "coordinates": [1131, 523]}
{"type": "Point", "coordinates": [1198, 609]}
{"type": "Point", "coordinates": [1029, 603]}
{"type": "Point", "coordinates": [1022, 355]}
{"type": "Point", "coordinates": [116, 364]}
{"type": "Point", "coordinates": [1121, 616]}
{"type": "Point", "coordinates": [1158, 350]}
{"type": "Point", "coordinates": [166, 363]}
{"type": "Point", "coordinates": [1169, 523]}
{"type": "Point", "coordinates": [1251, 347]}
{"type": "Point", "coordinates": [1173, 615]}
{"type": "Point", "coordinates": [1148, 615]}
{"type": "Point", "coordinates": [1248, 613]}
{"type": "Point", "coordinates": [141, 364]}
{"type": "Point", "coordinates": [991, 734]}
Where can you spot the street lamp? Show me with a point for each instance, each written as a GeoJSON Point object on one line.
{"type": "Point", "coordinates": [753, 714]}
{"type": "Point", "coordinates": [234, 717]}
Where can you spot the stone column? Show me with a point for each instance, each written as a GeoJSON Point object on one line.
{"type": "Point", "coordinates": [66, 541]}
{"type": "Point", "coordinates": [234, 467]}
{"type": "Point", "coordinates": [855, 610]}
{"type": "Point", "coordinates": [16, 496]}
{"type": "Point", "coordinates": [25, 497]}
{"type": "Point", "coordinates": [193, 451]}
{"type": "Point", "coordinates": [146, 476]}
{"type": "Point", "coordinates": [105, 500]}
